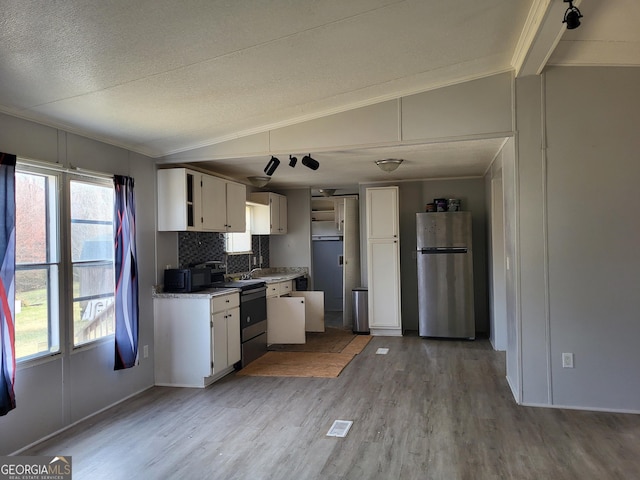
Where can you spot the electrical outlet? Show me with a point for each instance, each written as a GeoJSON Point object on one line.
{"type": "Point", "coordinates": [255, 261]}
{"type": "Point", "coordinates": [145, 351]}
{"type": "Point", "coordinates": [567, 360]}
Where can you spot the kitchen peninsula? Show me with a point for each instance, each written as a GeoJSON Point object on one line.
{"type": "Point", "coordinates": [199, 336]}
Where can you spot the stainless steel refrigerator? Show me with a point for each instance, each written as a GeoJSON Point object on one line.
{"type": "Point", "coordinates": [445, 275]}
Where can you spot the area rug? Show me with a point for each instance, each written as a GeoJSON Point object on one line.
{"type": "Point", "coordinates": [298, 364]}
{"type": "Point", "coordinates": [332, 340]}
{"type": "Point", "coordinates": [309, 363]}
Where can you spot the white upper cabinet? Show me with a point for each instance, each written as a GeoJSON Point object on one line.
{"type": "Point", "coordinates": [214, 201]}
{"type": "Point", "coordinates": [236, 207]}
{"type": "Point", "coordinates": [271, 220]}
{"type": "Point", "coordinates": [382, 212]}
{"type": "Point", "coordinates": [179, 196]}
{"type": "Point", "coordinates": [190, 200]}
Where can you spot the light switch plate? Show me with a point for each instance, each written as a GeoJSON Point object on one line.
{"type": "Point", "coordinates": [567, 360]}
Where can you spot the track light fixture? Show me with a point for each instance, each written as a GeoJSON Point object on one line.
{"type": "Point", "coordinates": [572, 16]}
{"type": "Point", "coordinates": [271, 166]}
{"type": "Point", "coordinates": [274, 163]}
{"type": "Point", "coordinates": [309, 162]}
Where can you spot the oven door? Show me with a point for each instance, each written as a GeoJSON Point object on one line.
{"type": "Point", "coordinates": [253, 324]}
{"type": "Point", "coordinates": [253, 308]}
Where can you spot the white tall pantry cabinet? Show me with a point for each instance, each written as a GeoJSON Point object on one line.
{"type": "Point", "coordinates": [383, 261]}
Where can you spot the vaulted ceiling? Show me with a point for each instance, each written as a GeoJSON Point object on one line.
{"type": "Point", "coordinates": [162, 78]}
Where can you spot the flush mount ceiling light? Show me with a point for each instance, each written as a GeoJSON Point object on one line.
{"type": "Point", "coordinates": [327, 192]}
{"type": "Point", "coordinates": [259, 181]}
{"type": "Point", "coordinates": [271, 166]}
{"type": "Point", "coordinates": [572, 16]}
{"type": "Point", "coordinates": [389, 164]}
{"type": "Point", "coordinates": [309, 162]}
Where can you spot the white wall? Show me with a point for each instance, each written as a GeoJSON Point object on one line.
{"type": "Point", "coordinates": [496, 255]}
{"type": "Point", "coordinates": [577, 232]}
{"type": "Point", "coordinates": [531, 261]}
{"type": "Point", "coordinates": [46, 403]}
{"type": "Point", "coordinates": [593, 175]}
{"type": "Point", "coordinates": [510, 196]}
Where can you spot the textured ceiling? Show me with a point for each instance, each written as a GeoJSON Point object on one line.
{"type": "Point", "coordinates": [161, 77]}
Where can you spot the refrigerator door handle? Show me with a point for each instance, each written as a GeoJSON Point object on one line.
{"type": "Point", "coordinates": [435, 250]}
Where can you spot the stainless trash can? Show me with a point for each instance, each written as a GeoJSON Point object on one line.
{"type": "Point", "coordinates": [360, 307]}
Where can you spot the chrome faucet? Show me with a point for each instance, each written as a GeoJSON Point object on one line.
{"type": "Point", "coordinates": [249, 276]}
{"type": "Point", "coordinates": [254, 270]}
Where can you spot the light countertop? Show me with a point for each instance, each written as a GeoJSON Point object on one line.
{"type": "Point", "coordinates": [277, 277]}
{"type": "Point", "coordinates": [207, 293]}
{"type": "Point", "coordinates": [280, 274]}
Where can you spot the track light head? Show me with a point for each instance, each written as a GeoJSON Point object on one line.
{"type": "Point", "coordinates": [292, 161]}
{"type": "Point", "coordinates": [309, 162]}
{"type": "Point", "coordinates": [572, 16]}
{"type": "Point", "coordinates": [271, 166]}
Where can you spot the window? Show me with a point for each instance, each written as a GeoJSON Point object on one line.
{"type": "Point", "coordinates": [240, 242]}
{"type": "Point", "coordinates": [92, 260]}
{"type": "Point", "coordinates": [37, 265]}
{"type": "Point", "coordinates": [87, 302]}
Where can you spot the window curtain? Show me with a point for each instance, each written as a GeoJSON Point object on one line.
{"type": "Point", "coordinates": [126, 354]}
{"type": "Point", "coordinates": [7, 282]}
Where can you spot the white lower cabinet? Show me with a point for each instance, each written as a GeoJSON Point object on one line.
{"type": "Point", "coordinates": [225, 319]}
{"type": "Point", "coordinates": [197, 339]}
{"type": "Point", "coordinates": [313, 310]}
{"type": "Point", "coordinates": [290, 314]}
{"type": "Point", "coordinates": [384, 294]}
{"type": "Point", "coordinates": [285, 320]}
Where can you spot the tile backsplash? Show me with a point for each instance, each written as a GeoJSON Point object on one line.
{"type": "Point", "coordinates": [199, 247]}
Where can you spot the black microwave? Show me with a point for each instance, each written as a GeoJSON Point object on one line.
{"type": "Point", "coordinates": [185, 280]}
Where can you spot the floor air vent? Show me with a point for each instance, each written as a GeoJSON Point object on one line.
{"type": "Point", "coordinates": [340, 428]}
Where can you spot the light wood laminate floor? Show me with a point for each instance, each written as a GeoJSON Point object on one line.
{"type": "Point", "coordinates": [428, 409]}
